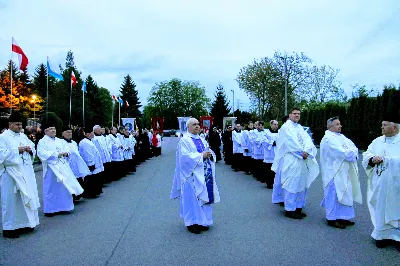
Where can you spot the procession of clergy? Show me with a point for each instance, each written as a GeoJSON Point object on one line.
{"type": "Point", "coordinates": [285, 160]}
{"type": "Point", "coordinates": [70, 171]}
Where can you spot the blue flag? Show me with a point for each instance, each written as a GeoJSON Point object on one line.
{"type": "Point", "coordinates": [52, 72]}
{"type": "Point", "coordinates": [84, 87]}
{"type": "Point", "coordinates": [120, 101]}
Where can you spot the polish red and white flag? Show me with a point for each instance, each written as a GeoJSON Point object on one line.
{"type": "Point", "coordinates": [23, 59]}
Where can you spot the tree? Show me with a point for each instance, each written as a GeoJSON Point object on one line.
{"type": "Point", "coordinates": [40, 80]}
{"type": "Point", "coordinates": [129, 93]}
{"type": "Point", "coordinates": [106, 103]}
{"type": "Point", "coordinates": [263, 83]}
{"type": "Point", "coordinates": [220, 106]}
{"type": "Point", "coordinates": [93, 113]}
{"type": "Point", "coordinates": [174, 98]}
{"type": "Point", "coordinates": [323, 85]}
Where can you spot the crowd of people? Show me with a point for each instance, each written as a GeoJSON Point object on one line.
{"type": "Point", "coordinates": [285, 160]}
{"type": "Point", "coordinates": [71, 169]}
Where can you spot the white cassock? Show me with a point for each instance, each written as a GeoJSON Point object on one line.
{"type": "Point", "coordinates": [339, 170]}
{"type": "Point", "coordinates": [129, 147]}
{"type": "Point", "coordinates": [256, 138]}
{"type": "Point", "coordinates": [117, 152]}
{"type": "Point", "coordinates": [268, 146]}
{"type": "Point", "coordinates": [295, 173]}
{"type": "Point", "coordinates": [75, 161]}
{"type": "Point", "coordinates": [383, 194]}
{"type": "Point", "coordinates": [237, 142]}
{"type": "Point", "coordinates": [194, 181]}
{"type": "Point", "coordinates": [91, 155]}
{"type": "Point", "coordinates": [103, 148]}
{"type": "Point", "coordinates": [59, 182]}
{"type": "Point", "coordinates": [246, 145]}
{"type": "Point", "coordinates": [19, 195]}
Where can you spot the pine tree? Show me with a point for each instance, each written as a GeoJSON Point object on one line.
{"type": "Point", "coordinates": [220, 106]}
{"type": "Point", "coordinates": [129, 93]}
{"type": "Point", "coordinates": [40, 80]}
{"type": "Point", "coordinates": [93, 112]}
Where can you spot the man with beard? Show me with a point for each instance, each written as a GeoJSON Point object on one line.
{"type": "Point", "coordinates": [214, 141]}
{"type": "Point", "coordinates": [228, 145]}
{"type": "Point", "coordinates": [19, 195]}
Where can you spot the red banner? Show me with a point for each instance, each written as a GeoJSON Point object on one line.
{"type": "Point", "coordinates": [206, 122]}
{"type": "Point", "coordinates": [157, 124]}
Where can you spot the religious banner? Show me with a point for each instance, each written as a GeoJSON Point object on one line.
{"type": "Point", "coordinates": [182, 123]}
{"type": "Point", "coordinates": [206, 122]}
{"type": "Point", "coordinates": [229, 121]}
{"type": "Point", "coordinates": [129, 123]}
{"type": "Point", "coordinates": [157, 124]}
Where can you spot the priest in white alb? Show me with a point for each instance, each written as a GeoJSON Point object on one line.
{"type": "Point", "coordinates": [19, 195]}
{"type": "Point", "coordinates": [75, 161]}
{"type": "Point", "coordinates": [382, 165]}
{"type": "Point", "coordinates": [59, 182]}
{"type": "Point", "coordinates": [194, 179]}
{"type": "Point", "coordinates": [338, 159]}
{"type": "Point", "coordinates": [295, 164]}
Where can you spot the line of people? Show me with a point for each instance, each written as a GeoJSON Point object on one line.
{"type": "Point", "coordinates": [70, 170]}
{"type": "Point", "coordinates": [285, 160]}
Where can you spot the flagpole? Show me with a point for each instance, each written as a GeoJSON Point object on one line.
{"type": "Point", "coordinates": [47, 94]}
{"type": "Point", "coordinates": [70, 103]}
{"type": "Point", "coordinates": [112, 116]}
{"type": "Point", "coordinates": [11, 67]}
{"type": "Point", "coordinates": [83, 108]}
{"type": "Point", "coordinates": [119, 113]}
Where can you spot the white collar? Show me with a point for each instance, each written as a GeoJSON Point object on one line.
{"type": "Point", "coordinates": [193, 135]}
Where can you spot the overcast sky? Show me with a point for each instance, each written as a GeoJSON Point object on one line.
{"type": "Point", "coordinates": [207, 40]}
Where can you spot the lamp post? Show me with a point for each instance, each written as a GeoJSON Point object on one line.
{"type": "Point", "coordinates": [233, 101]}
{"type": "Point", "coordinates": [34, 107]}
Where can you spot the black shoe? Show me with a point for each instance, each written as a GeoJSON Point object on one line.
{"type": "Point", "coordinates": [293, 215]}
{"type": "Point", "coordinates": [336, 224]}
{"type": "Point", "coordinates": [381, 243]}
{"type": "Point", "coordinates": [300, 212]}
{"type": "Point", "coordinates": [193, 229]}
{"type": "Point", "coordinates": [203, 228]}
{"type": "Point", "coordinates": [26, 230]}
{"type": "Point", "coordinates": [49, 214]}
{"type": "Point", "coordinates": [10, 234]}
{"type": "Point", "coordinates": [346, 222]}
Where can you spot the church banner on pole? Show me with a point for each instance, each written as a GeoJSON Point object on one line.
{"type": "Point", "coordinates": [157, 124]}
{"type": "Point", "coordinates": [229, 121]}
{"type": "Point", "coordinates": [128, 123]}
{"type": "Point", "coordinates": [206, 122]}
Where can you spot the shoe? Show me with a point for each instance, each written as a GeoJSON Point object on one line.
{"type": "Point", "coordinates": [300, 212]}
{"type": "Point", "coordinates": [10, 234]}
{"type": "Point", "coordinates": [270, 186]}
{"type": "Point", "coordinates": [203, 228]}
{"type": "Point", "coordinates": [193, 229]}
{"type": "Point", "coordinates": [346, 222]}
{"type": "Point", "coordinates": [49, 214]}
{"type": "Point", "coordinates": [293, 215]}
{"type": "Point", "coordinates": [336, 224]}
{"type": "Point", "coordinates": [26, 230]}
{"type": "Point", "coordinates": [381, 243]}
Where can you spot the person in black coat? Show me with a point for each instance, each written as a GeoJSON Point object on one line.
{"type": "Point", "coordinates": [228, 145]}
{"type": "Point", "coordinates": [215, 142]}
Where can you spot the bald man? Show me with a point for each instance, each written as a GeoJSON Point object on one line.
{"type": "Point", "coordinates": [194, 179]}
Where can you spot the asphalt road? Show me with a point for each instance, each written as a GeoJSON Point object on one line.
{"type": "Point", "coordinates": [135, 223]}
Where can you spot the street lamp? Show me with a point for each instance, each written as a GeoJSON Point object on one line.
{"type": "Point", "coordinates": [233, 101]}
{"type": "Point", "coordinates": [34, 107]}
